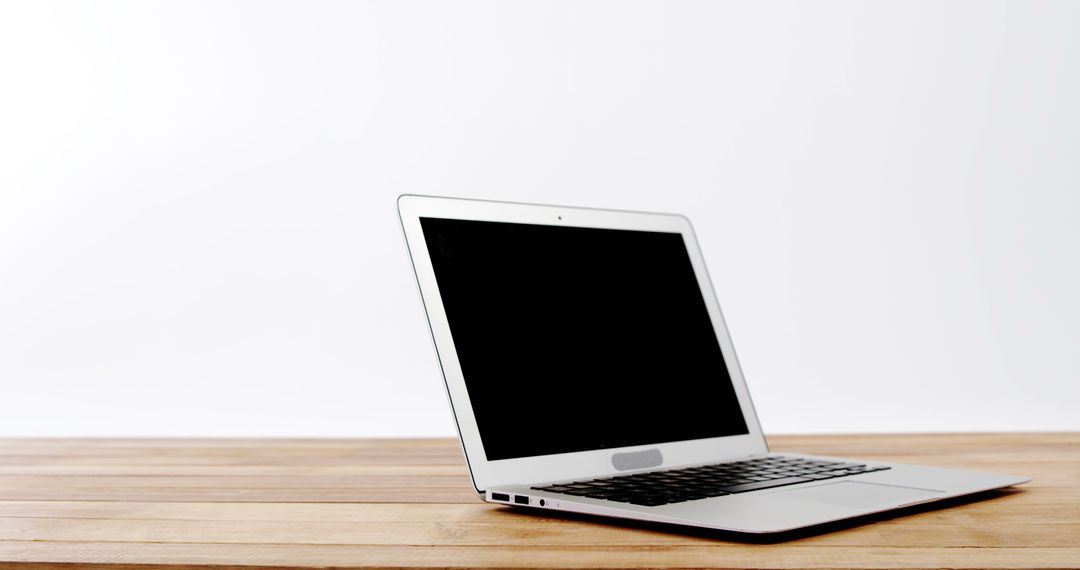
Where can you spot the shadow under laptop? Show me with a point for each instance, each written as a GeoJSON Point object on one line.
{"type": "Point", "coordinates": [772, 538]}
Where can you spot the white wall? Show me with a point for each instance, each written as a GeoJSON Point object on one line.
{"type": "Point", "coordinates": [198, 236]}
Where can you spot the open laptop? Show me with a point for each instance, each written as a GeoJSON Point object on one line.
{"type": "Point", "coordinates": [589, 370]}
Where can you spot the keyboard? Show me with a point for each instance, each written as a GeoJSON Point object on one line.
{"type": "Point", "coordinates": [654, 488]}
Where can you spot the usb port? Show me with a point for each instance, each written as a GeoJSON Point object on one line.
{"type": "Point", "coordinates": [521, 499]}
{"type": "Point", "coordinates": [500, 497]}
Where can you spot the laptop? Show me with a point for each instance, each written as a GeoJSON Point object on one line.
{"type": "Point", "coordinates": [589, 370]}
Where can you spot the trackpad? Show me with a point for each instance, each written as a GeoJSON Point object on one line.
{"type": "Point", "coordinates": [859, 494]}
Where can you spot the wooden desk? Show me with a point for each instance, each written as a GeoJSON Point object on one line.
{"type": "Point", "coordinates": [367, 503]}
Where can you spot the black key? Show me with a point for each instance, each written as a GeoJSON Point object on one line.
{"type": "Point", "coordinates": [607, 492]}
{"type": "Point", "coordinates": [696, 497]}
{"type": "Point", "coordinates": [765, 484]}
{"type": "Point", "coordinates": [553, 489]}
{"type": "Point", "coordinates": [611, 496]}
{"type": "Point", "coordinates": [679, 498]}
{"type": "Point", "coordinates": [648, 502]}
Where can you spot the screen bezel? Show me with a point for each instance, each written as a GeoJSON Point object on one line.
{"type": "Point", "coordinates": [595, 463]}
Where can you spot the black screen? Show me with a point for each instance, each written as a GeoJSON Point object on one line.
{"type": "Point", "coordinates": [574, 339]}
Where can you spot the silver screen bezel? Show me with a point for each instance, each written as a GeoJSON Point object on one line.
{"type": "Point", "coordinates": [525, 470]}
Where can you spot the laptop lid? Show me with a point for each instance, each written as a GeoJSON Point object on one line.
{"type": "Point", "coordinates": [576, 342]}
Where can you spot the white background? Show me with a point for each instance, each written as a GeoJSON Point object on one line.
{"type": "Point", "coordinates": [198, 236]}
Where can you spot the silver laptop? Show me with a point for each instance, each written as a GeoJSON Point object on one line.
{"type": "Point", "coordinates": [590, 370]}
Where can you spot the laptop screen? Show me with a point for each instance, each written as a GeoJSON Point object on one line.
{"type": "Point", "coordinates": [577, 339]}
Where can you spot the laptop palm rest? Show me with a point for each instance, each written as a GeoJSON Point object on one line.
{"type": "Point", "coordinates": [860, 494]}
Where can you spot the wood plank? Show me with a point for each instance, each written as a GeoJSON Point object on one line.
{"type": "Point", "coordinates": [189, 503]}
{"type": "Point", "coordinates": [320, 481]}
{"type": "Point", "coordinates": [193, 556]}
{"type": "Point", "coordinates": [456, 469]}
{"type": "Point", "coordinates": [1021, 507]}
{"type": "Point", "coordinates": [404, 494]}
{"type": "Point", "coordinates": [544, 531]}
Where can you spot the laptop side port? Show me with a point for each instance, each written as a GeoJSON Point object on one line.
{"type": "Point", "coordinates": [500, 497]}
{"type": "Point", "coordinates": [521, 499]}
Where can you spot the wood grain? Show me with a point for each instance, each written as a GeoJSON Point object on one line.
{"type": "Point", "coordinates": [230, 503]}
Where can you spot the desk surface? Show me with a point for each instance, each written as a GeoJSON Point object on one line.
{"type": "Point", "coordinates": [367, 503]}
